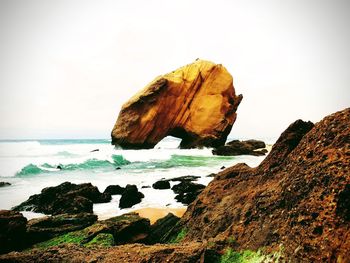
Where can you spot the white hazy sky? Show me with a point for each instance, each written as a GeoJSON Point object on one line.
{"type": "Point", "coordinates": [66, 67]}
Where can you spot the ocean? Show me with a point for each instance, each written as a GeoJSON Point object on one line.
{"type": "Point", "coordinates": [31, 165]}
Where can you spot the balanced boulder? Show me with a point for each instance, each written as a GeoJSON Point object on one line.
{"type": "Point", "coordinates": [196, 103]}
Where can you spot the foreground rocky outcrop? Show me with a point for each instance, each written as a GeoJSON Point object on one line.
{"type": "Point", "coordinates": [80, 229]}
{"type": "Point", "coordinates": [128, 228]}
{"type": "Point", "coordinates": [44, 228]}
{"type": "Point", "coordinates": [297, 199]}
{"type": "Point", "coordinates": [236, 147]}
{"type": "Point", "coordinates": [66, 198]}
{"type": "Point", "coordinates": [196, 103]}
{"type": "Point", "coordinates": [138, 253]}
{"type": "Point", "coordinates": [161, 228]}
{"type": "Point", "coordinates": [293, 207]}
{"type": "Point", "coordinates": [12, 230]}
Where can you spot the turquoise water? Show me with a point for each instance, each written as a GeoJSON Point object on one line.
{"type": "Point", "coordinates": [31, 165]}
{"type": "Point", "coordinates": [120, 162]}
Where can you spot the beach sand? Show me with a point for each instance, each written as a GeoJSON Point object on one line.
{"type": "Point", "coordinates": [153, 214]}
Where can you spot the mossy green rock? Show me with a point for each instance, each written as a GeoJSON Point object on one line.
{"type": "Point", "coordinates": [101, 240]}
{"type": "Point", "coordinates": [128, 228]}
{"type": "Point", "coordinates": [45, 228]}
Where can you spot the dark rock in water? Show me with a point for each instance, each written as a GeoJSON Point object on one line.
{"type": "Point", "coordinates": [162, 184]}
{"type": "Point", "coordinates": [96, 150]}
{"type": "Point", "coordinates": [184, 178]}
{"type": "Point", "coordinates": [255, 144]}
{"type": "Point", "coordinates": [146, 186]}
{"type": "Point", "coordinates": [161, 227]}
{"type": "Point", "coordinates": [59, 167]}
{"type": "Point", "coordinates": [222, 167]}
{"type": "Point", "coordinates": [12, 231]}
{"type": "Point", "coordinates": [237, 147]}
{"type": "Point", "coordinates": [71, 205]}
{"type": "Point", "coordinates": [131, 196]}
{"type": "Point", "coordinates": [65, 198]}
{"type": "Point", "coordinates": [118, 168]}
{"type": "Point", "coordinates": [186, 187]}
{"type": "Point", "coordinates": [187, 191]}
{"type": "Point", "coordinates": [41, 229]}
{"type": "Point", "coordinates": [114, 190]}
{"type": "Point", "coordinates": [2, 184]}
{"type": "Point", "coordinates": [187, 198]}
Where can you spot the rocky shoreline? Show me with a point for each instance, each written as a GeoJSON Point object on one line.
{"type": "Point", "coordinates": [293, 207]}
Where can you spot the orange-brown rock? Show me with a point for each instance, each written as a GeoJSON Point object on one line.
{"type": "Point", "coordinates": [196, 103]}
{"type": "Point", "coordinates": [296, 202]}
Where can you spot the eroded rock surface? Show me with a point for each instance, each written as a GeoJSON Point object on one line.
{"type": "Point", "coordinates": [297, 198]}
{"type": "Point", "coordinates": [161, 228]}
{"type": "Point", "coordinates": [196, 103]}
{"type": "Point", "coordinates": [138, 253]}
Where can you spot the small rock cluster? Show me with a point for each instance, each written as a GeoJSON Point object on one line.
{"type": "Point", "coordinates": [186, 191]}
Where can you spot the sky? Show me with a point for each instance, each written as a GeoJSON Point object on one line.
{"type": "Point", "coordinates": [66, 67]}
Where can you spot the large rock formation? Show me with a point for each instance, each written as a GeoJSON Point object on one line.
{"type": "Point", "coordinates": [296, 202]}
{"type": "Point", "coordinates": [196, 103]}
